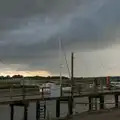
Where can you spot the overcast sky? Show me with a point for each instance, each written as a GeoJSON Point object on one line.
{"type": "Point", "coordinates": [30, 31]}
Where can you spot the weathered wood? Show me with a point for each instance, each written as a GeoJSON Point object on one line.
{"type": "Point", "coordinates": [44, 111]}
{"type": "Point", "coordinates": [11, 112]}
{"type": "Point", "coordinates": [38, 110]}
{"type": "Point", "coordinates": [57, 108]}
{"type": "Point", "coordinates": [101, 102]}
{"type": "Point", "coordinates": [32, 98]}
{"type": "Point", "coordinates": [116, 100]}
{"type": "Point", "coordinates": [20, 104]}
{"type": "Point", "coordinates": [90, 102]}
{"type": "Point", "coordinates": [25, 112]}
{"type": "Point", "coordinates": [72, 83]}
{"type": "Point", "coordinates": [95, 105]}
{"type": "Point", "coordinates": [70, 105]}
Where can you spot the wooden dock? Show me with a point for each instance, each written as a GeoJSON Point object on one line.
{"type": "Point", "coordinates": [32, 97]}
{"type": "Point", "coordinates": [23, 97]}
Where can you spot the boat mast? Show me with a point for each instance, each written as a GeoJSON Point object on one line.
{"type": "Point", "coordinates": [60, 48]}
{"type": "Point", "coordinates": [72, 74]}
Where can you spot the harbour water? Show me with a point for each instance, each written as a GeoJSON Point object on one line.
{"type": "Point", "coordinates": [51, 109]}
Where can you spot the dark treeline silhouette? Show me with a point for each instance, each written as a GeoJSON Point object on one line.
{"type": "Point", "coordinates": [32, 77]}
{"type": "Point", "coordinates": [114, 78]}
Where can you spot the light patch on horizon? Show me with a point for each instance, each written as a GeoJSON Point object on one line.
{"type": "Point", "coordinates": [25, 73]}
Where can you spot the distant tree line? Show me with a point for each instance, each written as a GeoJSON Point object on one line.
{"type": "Point", "coordinates": [32, 77]}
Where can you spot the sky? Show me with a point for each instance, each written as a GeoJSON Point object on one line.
{"type": "Point", "coordinates": [30, 31]}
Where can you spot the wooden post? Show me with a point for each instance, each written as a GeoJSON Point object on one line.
{"type": "Point", "coordinates": [12, 112]}
{"type": "Point", "coordinates": [95, 85]}
{"type": "Point", "coordinates": [44, 111]}
{"type": "Point", "coordinates": [101, 85]}
{"type": "Point", "coordinates": [23, 89]}
{"type": "Point", "coordinates": [70, 106]}
{"type": "Point", "coordinates": [101, 102]}
{"type": "Point", "coordinates": [11, 92]}
{"type": "Point", "coordinates": [25, 112]}
{"type": "Point", "coordinates": [72, 83]}
{"type": "Point", "coordinates": [72, 73]}
{"type": "Point", "coordinates": [90, 103]}
{"type": "Point", "coordinates": [38, 110]}
{"type": "Point", "coordinates": [43, 92]}
{"type": "Point", "coordinates": [108, 82]}
{"type": "Point", "coordinates": [95, 103]}
{"type": "Point", "coordinates": [58, 108]}
{"type": "Point", "coordinates": [116, 101]}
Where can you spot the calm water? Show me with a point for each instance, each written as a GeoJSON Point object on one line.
{"type": "Point", "coordinates": [51, 108]}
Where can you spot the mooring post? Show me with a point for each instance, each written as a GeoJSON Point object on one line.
{"type": "Point", "coordinates": [101, 102]}
{"type": "Point", "coordinates": [90, 103]}
{"type": "Point", "coordinates": [116, 100]}
{"type": "Point", "coordinates": [25, 112]}
{"type": "Point", "coordinates": [95, 103]}
{"type": "Point", "coordinates": [44, 110]}
{"type": "Point", "coordinates": [23, 89]}
{"type": "Point", "coordinates": [72, 84]}
{"type": "Point", "coordinates": [70, 105]}
{"type": "Point", "coordinates": [95, 85]}
{"type": "Point", "coordinates": [38, 110]}
{"type": "Point", "coordinates": [12, 112]}
{"type": "Point", "coordinates": [58, 108]}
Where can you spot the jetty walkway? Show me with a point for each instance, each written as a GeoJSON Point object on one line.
{"type": "Point", "coordinates": [22, 97]}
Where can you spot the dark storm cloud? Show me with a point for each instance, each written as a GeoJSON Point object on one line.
{"type": "Point", "coordinates": [14, 12]}
{"type": "Point", "coordinates": [25, 8]}
{"type": "Point", "coordinates": [30, 29]}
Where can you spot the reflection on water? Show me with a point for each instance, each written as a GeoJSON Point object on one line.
{"type": "Point", "coordinates": [51, 108]}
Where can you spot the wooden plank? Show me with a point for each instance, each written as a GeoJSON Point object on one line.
{"type": "Point", "coordinates": [11, 112]}
{"type": "Point", "coordinates": [25, 112]}
{"type": "Point", "coordinates": [7, 100]}
{"type": "Point", "coordinates": [116, 100]}
{"type": "Point", "coordinates": [57, 108]}
{"type": "Point", "coordinates": [101, 102]}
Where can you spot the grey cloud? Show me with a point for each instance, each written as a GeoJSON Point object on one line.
{"type": "Point", "coordinates": [30, 30]}
{"type": "Point", "coordinates": [15, 12]}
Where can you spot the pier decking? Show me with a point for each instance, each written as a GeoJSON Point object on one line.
{"type": "Point", "coordinates": [9, 97]}
{"type": "Point", "coordinates": [22, 98]}
{"type": "Point", "coordinates": [23, 95]}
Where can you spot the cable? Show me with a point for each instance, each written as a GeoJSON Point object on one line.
{"type": "Point", "coordinates": [64, 53]}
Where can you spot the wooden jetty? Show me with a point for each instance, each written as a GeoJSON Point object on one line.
{"type": "Point", "coordinates": [24, 99]}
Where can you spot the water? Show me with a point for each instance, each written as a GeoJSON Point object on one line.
{"type": "Point", "coordinates": [51, 108]}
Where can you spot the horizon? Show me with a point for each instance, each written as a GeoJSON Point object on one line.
{"type": "Point", "coordinates": [54, 76]}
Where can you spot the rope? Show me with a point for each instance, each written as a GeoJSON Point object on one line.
{"type": "Point", "coordinates": [64, 53]}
